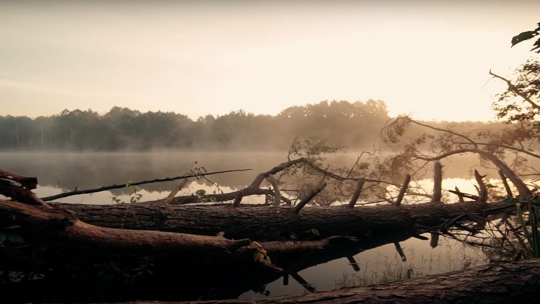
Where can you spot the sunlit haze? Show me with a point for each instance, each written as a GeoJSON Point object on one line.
{"type": "Point", "coordinates": [427, 58]}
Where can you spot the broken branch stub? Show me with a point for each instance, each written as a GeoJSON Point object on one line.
{"type": "Point", "coordinates": [356, 195]}
{"type": "Point", "coordinates": [437, 182]}
{"type": "Point", "coordinates": [403, 190]}
{"type": "Point", "coordinates": [482, 189]}
{"type": "Point", "coordinates": [308, 197]}
{"type": "Point", "coordinates": [19, 188]}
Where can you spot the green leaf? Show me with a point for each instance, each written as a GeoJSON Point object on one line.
{"type": "Point", "coordinates": [315, 231]}
{"type": "Point", "coordinates": [523, 36]}
{"type": "Point", "coordinates": [536, 47]}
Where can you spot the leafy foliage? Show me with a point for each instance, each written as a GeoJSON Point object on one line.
{"type": "Point", "coordinates": [526, 36]}
{"type": "Point", "coordinates": [521, 101]}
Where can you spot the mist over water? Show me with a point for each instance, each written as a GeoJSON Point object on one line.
{"type": "Point", "coordinates": [65, 171]}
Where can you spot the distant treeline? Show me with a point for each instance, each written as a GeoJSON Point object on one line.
{"type": "Point", "coordinates": [353, 125]}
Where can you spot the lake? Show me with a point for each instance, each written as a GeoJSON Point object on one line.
{"type": "Point", "coordinates": [60, 172]}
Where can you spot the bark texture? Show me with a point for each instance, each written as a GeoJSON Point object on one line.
{"type": "Point", "coordinates": [270, 223]}
{"type": "Point", "coordinates": [516, 282]}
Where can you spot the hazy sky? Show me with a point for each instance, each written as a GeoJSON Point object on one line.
{"type": "Point", "coordinates": [428, 58]}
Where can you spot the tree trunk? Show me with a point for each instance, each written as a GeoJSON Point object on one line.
{"type": "Point", "coordinates": [271, 223]}
{"type": "Point", "coordinates": [515, 282]}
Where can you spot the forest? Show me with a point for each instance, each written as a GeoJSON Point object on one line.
{"type": "Point", "coordinates": [213, 248]}
{"type": "Point", "coordinates": [341, 123]}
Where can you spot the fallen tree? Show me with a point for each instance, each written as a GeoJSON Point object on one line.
{"type": "Point", "coordinates": [66, 239]}
{"type": "Point", "coordinates": [269, 223]}
{"type": "Point", "coordinates": [493, 283]}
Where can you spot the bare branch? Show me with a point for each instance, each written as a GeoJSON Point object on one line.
{"type": "Point", "coordinates": [482, 192]}
{"type": "Point", "coordinates": [356, 194]}
{"type": "Point", "coordinates": [159, 180]}
{"type": "Point", "coordinates": [447, 131]}
{"type": "Point", "coordinates": [506, 186]}
{"type": "Point", "coordinates": [173, 193]}
{"type": "Point", "coordinates": [513, 88]}
{"type": "Point", "coordinates": [237, 200]}
{"type": "Point", "coordinates": [308, 197]}
{"type": "Point", "coordinates": [403, 190]}
{"type": "Point", "coordinates": [437, 182]}
{"type": "Point", "coordinates": [459, 194]}
{"type": "Point", "coordinates": [260, 178]}
{"type": "Point", "coordinates": [523, 190]}
{"type": "Point", "coordinates": [277, 192]}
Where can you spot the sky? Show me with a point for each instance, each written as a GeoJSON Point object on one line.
{"type": "Point", "coordinates": [429, 59]}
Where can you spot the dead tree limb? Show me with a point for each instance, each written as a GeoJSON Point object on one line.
{"type": "Point", "coordinates": [62, 224]}
{"type": "Point", "coordinates": [437, 182]}
{"type": "Point", "coordinates": [356, 194]}
{"type": "Point", "coordinates": [459, 194]}
{"type": "Point", "coordinates": [505, 183]}
{"type": "Point", "coordinates": [158, 180]}
{"type": "Point", "coordinates": [191, 199]}
{"type": "Point", "coordinates": [308, 197]}
{"type": "Point", "coordinates": [403, 190]}
{"type": "Point", "coordinates": [270, 223]}
{"type": "Point", "coordinates": [475, 144]}
{"type": "Point", "coordinates": [482, 189]}
{"type": "Point", "coordinates": [523, 190]}
{"type": "Point", "coordinates": [19, 188]}
{"type": "Point", "coordinates": [277, 192]}
{"type": "Point", "coordinates": [237, 200]}
{"type": "Point", "coordinates": [512, 282]}
{"type": "Point", "coordinates": [514, 89]}
{"type": "Point", "coordinates": [173, 193]}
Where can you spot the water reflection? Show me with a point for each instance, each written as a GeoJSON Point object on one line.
{"type": "Point", "coordinates": [59, 172]}
{"type": "Point", "coordinates": [380, 264]}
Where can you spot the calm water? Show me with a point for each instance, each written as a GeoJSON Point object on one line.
{"type": "Point", "coordinates": [59, 172]}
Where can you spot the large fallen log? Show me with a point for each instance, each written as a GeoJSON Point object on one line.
{"type": "Point", "coordinates": [516, 282]}
{"type": "Point", "coordinates": [270, 223]}
{"type": "Point", "coordinates": [60, 246]}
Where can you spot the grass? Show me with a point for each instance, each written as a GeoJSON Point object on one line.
{"type": "Point", "coordinates": [393, 270]}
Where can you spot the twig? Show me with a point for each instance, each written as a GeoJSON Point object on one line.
{"type": "Point", "coordinates": [472, 142]}
{"type": "Point", "coordinates": [461, 195]}
{"type": "Point", "coordinates": [513, 88]}
{"type": "Point", "coordinates": [159, 180]}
